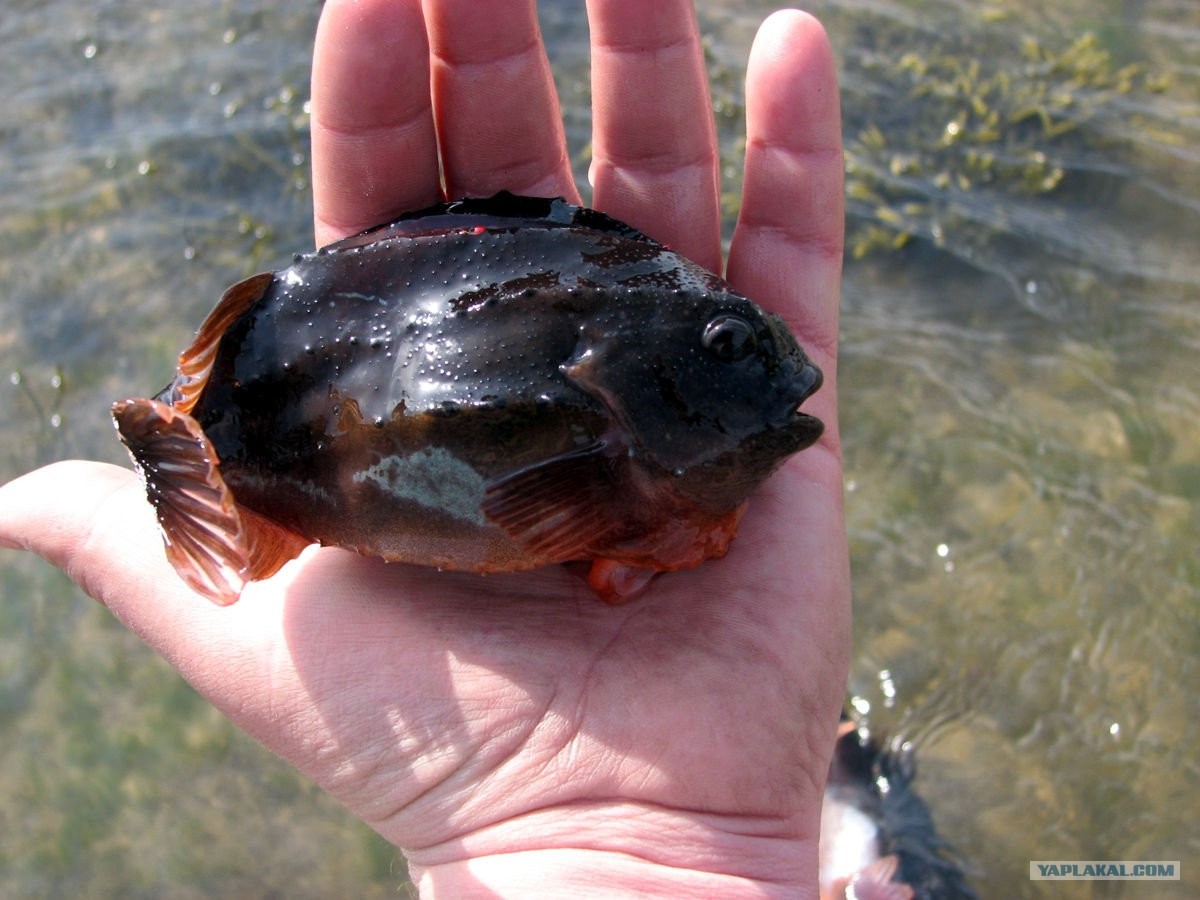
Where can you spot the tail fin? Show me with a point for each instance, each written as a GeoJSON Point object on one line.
{"type": "Point", "coordinates": [215, 546]}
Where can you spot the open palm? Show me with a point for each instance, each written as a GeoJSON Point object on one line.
{"type": "Point", "coordinates": [510, 732]}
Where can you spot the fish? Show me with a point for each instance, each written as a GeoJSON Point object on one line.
{"type": "Point", "coordinates": [489, 384]}
{"type": "Point", "coordinates": [878, 838]}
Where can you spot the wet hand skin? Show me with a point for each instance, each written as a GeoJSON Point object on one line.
{"type": "Point", "coordinates": [492, 385]}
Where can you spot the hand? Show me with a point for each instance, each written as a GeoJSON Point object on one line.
{"type": "Point", "coordinates": [510, 732]}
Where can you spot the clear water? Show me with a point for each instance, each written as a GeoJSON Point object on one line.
{"type": "Point", "coordinates": [1021, 390]}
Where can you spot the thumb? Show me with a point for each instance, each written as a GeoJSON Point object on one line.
{"type": "Point", "coordinates": [89, 519]}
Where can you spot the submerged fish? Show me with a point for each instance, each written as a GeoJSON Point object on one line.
{"type": "Point", "coordinates": [490, 385]}
{"type": "Point", "coordinates": [878, 840]}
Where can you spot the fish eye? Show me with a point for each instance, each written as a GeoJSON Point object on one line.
{"type": "Point", "coordinates": [729, 338]}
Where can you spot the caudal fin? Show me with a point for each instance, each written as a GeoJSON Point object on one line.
{"type": "Point", "coordinates": [215, 546]}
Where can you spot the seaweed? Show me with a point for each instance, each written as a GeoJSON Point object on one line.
{"type": "Point", "coordinates": [949, 130]}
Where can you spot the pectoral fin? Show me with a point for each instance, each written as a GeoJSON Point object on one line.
{"type": "Point", "coordinates": [215, 545]}
{"type": "Point", "coordinates": [563, 508]}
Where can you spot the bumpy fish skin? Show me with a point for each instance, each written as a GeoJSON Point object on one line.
{"type": "Point", "coordinates": [492, 385]}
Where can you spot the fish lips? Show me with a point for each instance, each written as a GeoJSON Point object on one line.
{"type": "Point", "coordinates": [806, 429]}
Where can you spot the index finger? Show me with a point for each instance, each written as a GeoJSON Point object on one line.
{"type": "Point", "coordinates": [494, 100]}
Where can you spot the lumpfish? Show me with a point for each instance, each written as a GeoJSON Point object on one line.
{"type": "Point", "coordinates": [489, 385]}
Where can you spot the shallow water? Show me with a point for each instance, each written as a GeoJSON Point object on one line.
{"type": "Point", "coordinates": [1021, 393]}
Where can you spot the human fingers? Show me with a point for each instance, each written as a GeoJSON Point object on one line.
{"type": "Point", "coordinates": [374, 150]}
{"type": "Point", "coordinates": [787, 247]}
{"type": "Point", "coordinates": [304, 662]}
{"type": "Point", "coordinates": [654, 152]}
{"type": "Point", "coordinates": [56, 511]}
{"type": "Point", "coordinates": [787, 254]}
{"type": "Point", "coordinates": [92, 521]}
{"type": "Point", "coordinates": [497, 113]}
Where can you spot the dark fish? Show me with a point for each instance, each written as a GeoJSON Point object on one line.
{"type": "Point", "coordinates": [878, 840]}
{"type": "Point", "coordinates": [491, 385]}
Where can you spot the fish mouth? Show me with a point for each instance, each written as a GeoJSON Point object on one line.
{"type": "Point", "coordinates": [805, 429]}
{"type": "Point", "coordinates": [796, 417]}
{"type": "Point", "coordinates": [807, 381]}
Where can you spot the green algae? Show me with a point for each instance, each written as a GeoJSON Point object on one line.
{"type": "Point", "coordinates": [957, 127]}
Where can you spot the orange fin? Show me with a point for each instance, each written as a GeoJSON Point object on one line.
{"type": "Point", "coordinates": [196, 362]}
{"type": "Point", "coordinates": [559, 509]}
{"type": "Point", "coordinates": [616, 583]}
{"type": "Point", "coordinates": [214, 545]}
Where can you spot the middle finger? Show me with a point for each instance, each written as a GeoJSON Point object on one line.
{"type": "Point", "coordinates": [654, 140]}
{"type": "Point", "coordinates": [495, 106]}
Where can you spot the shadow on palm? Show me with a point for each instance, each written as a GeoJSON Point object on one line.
{"type": "Point", "coordinates": [528, 680]}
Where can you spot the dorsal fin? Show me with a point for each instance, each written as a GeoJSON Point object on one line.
{"type": "Point", "coordinates": [196, 362]}
{"type": "Point", "coordinates": [215, 545]}
{"type": "Point", "coordinates": [501, 210]}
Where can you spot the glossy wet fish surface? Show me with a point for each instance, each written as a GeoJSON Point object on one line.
{"type": "Point", "coordinates": [489, 384]}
